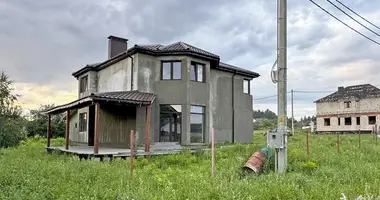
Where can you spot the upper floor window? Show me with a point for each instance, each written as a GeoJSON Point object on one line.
{"type": "Point", "coordinates": [347, 104]}
{"type": "Point", "coordinates": [197, 72]}
{"type": "Point", "coordinates": [171, 70]}
{"type": "Point", "coordinates": [246, 86]}
{"type": "Point", "coordinates": [83, 84]}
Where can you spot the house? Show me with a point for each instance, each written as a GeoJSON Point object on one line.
{"type": "Point", "coordinates": [349, 109]}
{"type": "Point", "coordinates": [172, 93]}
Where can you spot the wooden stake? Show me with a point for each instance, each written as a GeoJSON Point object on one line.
{"type": "Point", "coordinates": [67, 135]}
{"type": "Point", "coordinates": [359, 139]}
{"type": "Point", "coordinates": [49, 131]}
{"type": "Point", "coordinates": [212, 152]}
{"type": "Point", "coordinates": [337, 141]}
{"type": "Point", "coordinates": [132, 147]}
{"type": "Point", "coordinates": [307, 143]}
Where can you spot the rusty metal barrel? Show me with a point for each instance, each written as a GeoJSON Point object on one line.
{"type": "Point", "coordinates": [257, 160]}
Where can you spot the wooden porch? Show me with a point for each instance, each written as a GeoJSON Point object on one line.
{"type": "Point", "coordinates": [88, 151]}
{"type": "Point", "coordinates": [135, 98]}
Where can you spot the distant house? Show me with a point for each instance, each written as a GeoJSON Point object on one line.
{"type": "Point", "coordinates": [165, 93]}
{"type": "Point", "coordinates": [349, 109]}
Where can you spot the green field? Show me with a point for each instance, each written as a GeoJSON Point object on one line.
{"type": "Point", "coordinates": [28, 172]}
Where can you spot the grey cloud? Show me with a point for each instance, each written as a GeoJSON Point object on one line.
{"type": "Point", "coordinates": [45, 41]}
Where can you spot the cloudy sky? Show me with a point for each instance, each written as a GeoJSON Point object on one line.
{"type": "Point", "coordinates": [42, 42]}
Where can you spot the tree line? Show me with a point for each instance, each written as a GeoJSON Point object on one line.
{"type": "Point", "coordinates": [267, 119]}
{"type": "Point", "coordinates": [16, 126]}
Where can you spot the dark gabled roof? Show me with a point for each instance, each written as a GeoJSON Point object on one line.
{"type": "Point", "coordinates": [128, 97]}
{"type": "Point", "coordinates": [178, 48]}
{"type": "Point", "coordinates": [358, 92]}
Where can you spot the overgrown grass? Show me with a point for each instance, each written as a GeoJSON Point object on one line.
{"type": "Point", "coordinates": [28, 172]}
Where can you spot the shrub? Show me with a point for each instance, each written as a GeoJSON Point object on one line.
{"type": "Point", "coordinates": [12, 132]}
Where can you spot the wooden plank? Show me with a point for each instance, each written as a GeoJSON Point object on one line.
{"type": "Point", "coordinates": [97, 128]}
{"type": "Point", "coordinates": [147, 129]}
{"type": "Point", "coordinates": [49, 131]}
{"type": "Point", "coordinates": [67, 135]}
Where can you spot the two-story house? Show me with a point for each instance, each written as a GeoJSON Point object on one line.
{"type": "Point", "coordinates": [350, 109]}
{"type": "Point", "coordinates": [165, 93]}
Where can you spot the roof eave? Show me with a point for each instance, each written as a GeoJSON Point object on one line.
{"type": "Point", "coordinates": [240, 72]}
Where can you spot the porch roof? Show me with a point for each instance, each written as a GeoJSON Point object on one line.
{"type": "Point", "coordinates": [128, 97]}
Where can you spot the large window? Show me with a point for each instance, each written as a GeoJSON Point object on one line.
{"type": "Point", "coordinates": [197, 124]}
{"type": "Point", "coordinates": [197, 72]}
{"type": "Point", "coordinates": [371, 120]}
{"type": "Point", "coordinates": [83, 84]}
{"type": "Point", "coordinates": [171, 70]}
{"type": "Point", "coordinates": [82, 122]}
{"type": "Point", "coordinates": [246, 86]}
{"type": "Point", "coordinates": [170, 123]}
{"type": "Point", "coordinates": [348, 121]}
{"type": "Point", "coordinates": [327, 121]}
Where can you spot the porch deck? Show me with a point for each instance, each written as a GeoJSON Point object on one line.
{"type": "Point", "coordinates": [88, 151]}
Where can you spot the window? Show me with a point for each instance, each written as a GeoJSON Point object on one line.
{"type": "Point", "coordinates": [327, 121]}
{"type": "Point", "coordinates": [170, 123]}
{"type": "Point", "coordinates": [82, 122]}
{"type": "Point", "coordinates": [338, 121]}
{"type": "Point", "coordinates": [171, 70]}
{"type": "Point", "coordinates": [197, 72]}
{"type": "Point", "coordinates": [371, 120]}
{"type": "Point", "coordinates": [347, 121]}
{"type": "Point", "coordinates": [197, 124]}
{"type": "Point", "coordinates": [83, 86]}
{"type": "Point", "coordinates": [246, 86]}
{"type": "Point", "coordinates": [347, 104]}
{"type": "Point", "coordinates": [357, 120]}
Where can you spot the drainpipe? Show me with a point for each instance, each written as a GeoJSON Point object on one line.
{"type": "Point", "coordinates": [233, 107]}
{"type": "Point", "coordinates": [131, 71]}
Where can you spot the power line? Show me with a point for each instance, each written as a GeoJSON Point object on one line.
{"type": "Point", "coordinates": [267, 97]}
{"type": "Point", "coordinates": [344, 23]}
{"type": "Point", "coordinates": [352, 18]}
{"type": "Point", "coordinates": [295, 91]}
{"type": "Point", "coordinates": [357, 14]}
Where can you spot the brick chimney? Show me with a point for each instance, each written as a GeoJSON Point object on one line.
{"type": "Point", "coordinates": [116, 45]}
{"type": "Point", "coordinates": [340, 89]}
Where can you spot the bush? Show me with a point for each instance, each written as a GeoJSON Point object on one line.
{"type": "Point", "coordinates": [39, 127]}
{"type": "Point", "coordinates": [12, 132]}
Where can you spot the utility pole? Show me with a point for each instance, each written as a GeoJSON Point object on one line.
{"type": "Point", "coordinates": [292, 114]}
{"type": "Point", "coordinates": [281, 153]}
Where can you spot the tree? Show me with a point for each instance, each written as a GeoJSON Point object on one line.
{"type": "Point", "coordinates": [8, 108]}
{"type": "Point", "coordinates": [38, 123]}
{"type": "Point", "coordinates": [12, 124]}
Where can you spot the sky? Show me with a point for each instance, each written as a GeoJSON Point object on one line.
{"type": "Point", "coordinates": [42, 42]}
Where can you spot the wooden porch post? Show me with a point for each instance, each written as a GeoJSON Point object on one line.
{"type": "Point", "coordinates": [97, 128]}
{"type": "Point", "coordinates": [67, 136]}
{"type": "Point", "coordinates": [49, 130]}
{"type": "Point", "coordinates": [147, 129]}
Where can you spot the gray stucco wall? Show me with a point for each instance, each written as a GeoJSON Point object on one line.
{"type": "Point", "coordinates": [215, 94]}
{"type": "Point", "coordinates": [221, 108]}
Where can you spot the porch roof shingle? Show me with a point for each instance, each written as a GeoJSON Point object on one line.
{"type": "Point", "coordinates": [128, 97]}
